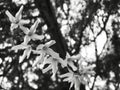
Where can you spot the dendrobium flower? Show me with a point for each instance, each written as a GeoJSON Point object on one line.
{"type": "Point", "coordinates": [70, 59]}
{"type": "Point", "coordinates": [82, 76]}
{"type": "Point", "coordinates": [26, 52]}
{"type": "Point", "coordinates": [44, 49]}
{"type": "Point", "coordinates": [16, 21]}
{"type": "Point", "coordinates": [72, 78]}
{"type": "Point", "coordinates": [30, 33]}
{"type": "Point", "coordinates": [86, 69]}
{"type": "Point", "coordinates": [53, 64]}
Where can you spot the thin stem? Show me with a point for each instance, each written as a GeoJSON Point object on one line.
{"type": "Point", "coordinates": [94, 82]}
{"type": "Point", "coordinates": [97, 58]}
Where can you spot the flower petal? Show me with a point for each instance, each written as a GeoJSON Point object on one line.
{"type": "Point", "coordinates": [35, 62]}
{"type": "Point", "coordinates": [34, 26]}
{"type": "Point", "coordinates": [77, 84]}
{"type": "Point", "coordinates": [24, 29]}
{"type": "Point", "coordinates": [63, 62]}
{"type": "Point", "coordinates": [18, 14]}
{"type": "Point", "coordinates": [13, 26]}
{"type": "Point", "coordinates": [26, 39]}
{"type": "Point", "coordinates": [29, 52]}
{"type": "Point", "coordinates": [53, 77]}
{"type": "Point", "coordinates": [10, 16]}
{"type": "Point", "coordinates": [76, 57]}
{"type": "Point", "coordinates": [54, 68]}
{"type": "Point", "coordinates": [65, 75]}
{"type": "Point", "coordinates": [53, 53]}
{"type": "Point", "coordinates": [47, 69]}
{"type": "Point", "coordinates": [71, 85]}
{"type": "Point", "coordinates": [47, 60]}
{"type": "Point", "coordinates": [22, 22]}
{"type": "Point", "coordinates": [39, 59]}
{"type": "Point", "coordinates": [17, 47]}
{"type": "Point", "coordinates": [67, 79]}
{"type": "Point", "coordinates": [37, 51]}
{"type": "Point", "coordinates": [71, 64]}
{"type": "Point", "coordinates": [50, 43]}
{"type": "Point", "coordinates": [67, 55]}
{"type": "Point", "coordinates": [37, 37]}
{"type": "Point", "coordinates": [23, 56]}
{"type": "Point", "coordinates": [39, 47]}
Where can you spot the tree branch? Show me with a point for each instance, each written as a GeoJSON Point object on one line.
{"type": "Point", "coordinates": [47, 12]}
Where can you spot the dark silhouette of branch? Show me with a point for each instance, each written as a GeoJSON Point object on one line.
{"type": "Point", "coordinates": [48, 14]}
{"type": "Point", "coordinates": [86, 21]}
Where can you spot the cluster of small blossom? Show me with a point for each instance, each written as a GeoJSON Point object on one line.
{"type": "Point", "coordinates": [46, 55]}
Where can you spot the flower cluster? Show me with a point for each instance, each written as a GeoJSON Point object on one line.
{"type": "Point", "coordinates": [16, 22]}
{"type": "Point", "coordinates": [81, 77]}
{"type": "Point", "coordinates": [46, 55]}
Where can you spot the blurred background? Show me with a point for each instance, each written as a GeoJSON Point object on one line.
{"type": "Point", "coordinates": [87, 27]}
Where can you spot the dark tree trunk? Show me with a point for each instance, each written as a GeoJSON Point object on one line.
{"type": "Point", "coordinates": [47, 12]}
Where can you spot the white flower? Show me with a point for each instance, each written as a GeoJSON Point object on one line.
{"type": "Point", "coordinates": [53, 64]}
{"type": "Point", "coordinates": [70, 59]}
{"type": "Point", "coordinates": [83, 76]}
{"type": "Point", "coordinates": [26, 52]}
{"type": "Point", "coordinates": [85, 72]}
{"type": "Point", "coordinates": [72, 78]}
{"type": "Point", "coordinates": [16, 21]}
{"type": "Point", "coordinates": [30, 33]}
{"type": "Point", "coordinates": [44, 49]}
{"type": "Point", "coordinates": [86, 69]}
